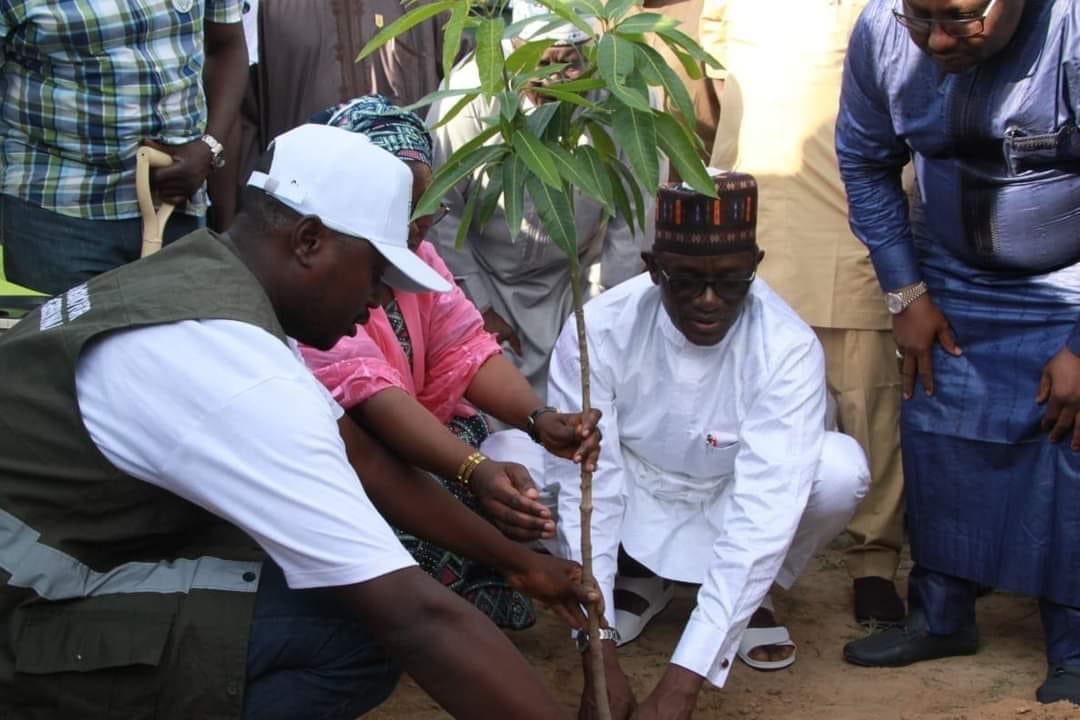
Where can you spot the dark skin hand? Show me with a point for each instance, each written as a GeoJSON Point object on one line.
{"type": "Point", "coordinates": [417, 504]}
{"type": "Point", "coordinates": [1059, 391]}
{"type": "Point", "coordinates": [620, 695]}
{"type": "Point", "coordinates": [916, 330]}
{"type": "Point", "coordinates": [509, 498]}
{"type": "Point", "coordinates": [449, 648]}
{"type": "Point", "coordinates": [571, 436]}
{"type": "Point", "coordinates": [503, 332]}
{"type": "Point", "coordinates": [674, 697]}
{"type": "Point", "coordinates": [225, 77]}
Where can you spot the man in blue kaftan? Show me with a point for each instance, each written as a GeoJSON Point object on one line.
{"type": "Point", "coordinates": [983, 279]}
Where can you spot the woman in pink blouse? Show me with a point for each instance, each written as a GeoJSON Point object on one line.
{"type": "Point", "coordinates": [415, 374]}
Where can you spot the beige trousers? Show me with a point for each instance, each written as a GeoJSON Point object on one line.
{"type": "Point", "coordinates": [864, 378]}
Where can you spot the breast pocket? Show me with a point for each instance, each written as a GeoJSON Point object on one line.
{"type": "Point", "coordinates": [712, 455]}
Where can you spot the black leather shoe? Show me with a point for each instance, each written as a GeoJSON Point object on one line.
{"type": "Point", "coordinates": [877, 602]}
{"type": "Point", "coordinates": [1062, 683]}
{"type": "Point", "coordinates": [910, 643]}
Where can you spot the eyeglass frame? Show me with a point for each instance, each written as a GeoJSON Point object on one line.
{"type": "Point", "coordinates": [723, 286]}
{"type": "Point", "coordinates": [925, 26]}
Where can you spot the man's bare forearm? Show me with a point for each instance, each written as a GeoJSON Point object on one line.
{"type": "Point", "coordinates": [452, 651]}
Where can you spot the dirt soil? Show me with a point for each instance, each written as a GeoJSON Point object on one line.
{"type": "Point", "coordinates": [996, 684]}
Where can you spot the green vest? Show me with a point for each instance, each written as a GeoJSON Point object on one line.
{"type": "Point", "coordinates": [117, 598]}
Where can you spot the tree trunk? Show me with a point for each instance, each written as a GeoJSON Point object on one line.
{"type": "Point", "coordinates": [596, 657]}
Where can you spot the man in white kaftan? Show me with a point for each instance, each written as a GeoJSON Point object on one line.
{"type": "Point", "coordinates": [716, 468]}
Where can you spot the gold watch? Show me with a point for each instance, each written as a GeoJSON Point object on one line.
{"type": "Point", "coordinates": [898, 300]}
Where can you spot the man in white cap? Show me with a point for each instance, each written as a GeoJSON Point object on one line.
{"type": "Point", "coordinates": [522, 287]}
{"type": "Point", "coordinates": [182, 533]}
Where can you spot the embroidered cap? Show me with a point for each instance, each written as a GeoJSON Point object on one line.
{"type": "Point", "coordinates": [355, 188]}
{"type": "Point", "coordinates": [689, 223]}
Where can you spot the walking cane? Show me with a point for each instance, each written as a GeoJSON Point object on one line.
{"type": "Point", "coordinates": [153, 220]}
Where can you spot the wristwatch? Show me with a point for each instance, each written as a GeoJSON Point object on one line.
{"type": "Point", "coordinates": [217, 151]}
{"type": "Point", "coordinates": [531, 426]}
{"type": "Point", "coordinates": [605, 634]}
{"type": "Point", "coordinates": [898, 300]}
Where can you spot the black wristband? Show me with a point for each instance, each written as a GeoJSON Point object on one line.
{"type": "Point", "coordinates": [531, 426]}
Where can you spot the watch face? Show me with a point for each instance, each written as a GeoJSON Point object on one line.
{"type": "Point", "coordinates": [895, 303]}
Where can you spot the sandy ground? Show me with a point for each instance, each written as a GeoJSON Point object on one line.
{"type": "Point", "coordinates": [997, 683]}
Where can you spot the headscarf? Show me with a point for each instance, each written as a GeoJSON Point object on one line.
{"type": "Point", "coordinates": [399, 132]}
{"type": "Point", "coordinates": [689, 223]}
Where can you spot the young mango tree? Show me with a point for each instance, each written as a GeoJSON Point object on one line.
{"type": "Point", "coordinates": [596, 133]}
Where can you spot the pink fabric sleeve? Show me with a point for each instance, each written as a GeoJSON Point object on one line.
{"type": "Point", "coordinates": [361, 366]}
{"type": "Point", "coordinates": [456, 343]}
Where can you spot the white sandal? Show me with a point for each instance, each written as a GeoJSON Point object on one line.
{"type": "Point", "coordinates": [656, 591]}
{"type": "Point", "coordinates": [759, 637]}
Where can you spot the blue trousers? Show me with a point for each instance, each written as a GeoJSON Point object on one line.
{"type": "Point", "coordinates": [309, 657]}
{"type": "Point", "coordinates": [949, 605]}
{"type": "Point", "coordinates": [50, 252]}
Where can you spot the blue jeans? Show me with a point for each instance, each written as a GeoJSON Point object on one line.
{"type": "Point", "coordinates": [949, 604]}
{"type": "Point", "coordinates": [50, 252]}
{"type": "Point", "coordinates": [309, 656]}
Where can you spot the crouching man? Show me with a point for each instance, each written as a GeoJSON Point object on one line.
{"type": "Point", "coordinates": [716, 467]}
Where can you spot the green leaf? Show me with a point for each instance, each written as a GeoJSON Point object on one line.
{"type": "Point", "coordinates": [614, 58]}
{"type": "Point", "coordinates": [452, 36]}
{"type": "Point", "coordinates": [540, 117]}
{"type": "Point", "coordinates": [449, 175]}
{"type": "Point", "coordinates": [553, 207]}
{"type": "Point", "coordinates": [636, 133]}
{"type": "Point", "coordinates": [566, 13]}
{"type": "Point", "coordinates": [657, 72]}
{"type": "Point", "coordinates": [527, 56]}
{"type": "Point", "coordinates": [690, 65]}
{"type": "Point", "coordinates": [439, 95]}
{"type": "Point", "coordinates": [635, 193]}
{"type": "Point", "coordinates": [514, 172]}
{"type": "Point", "coordinates": [601, 140]}
{"type": "Point", "coordinates": [466, 220]}
{"type": "Point", "coordinates": [509, 102]}
{"type": "Point", "coordinates": [676, 143]}
{"type": "Point", "coordinates": [580, 85]}
{"type": "Point", "coordinates": [476, 142]}
{"type": "Point", "coordinates": [489, 55]}
{"type": "Point", "coordinates": [453, 111]}
{"type": "Point", "coordinates": [577, 175]}
{"type": "Point", "coordinates": [536, 157]}
{"type": "Point", "coordinates": [514, 30]}
{"type": "Point", "coordinates": [520, 80]}
{"type": "Point", "coordinates": [553, 91]}
{"type": "Point", "coordinates": [588, 7]}
{"type": "Point", "coordinates": [689, 46]}
{"type": "Point", "coordinates": [406, 22]}
{"type": "Point", "coordinates": [489, 199]}
{"type": "Point", "coordinates": [588, 159]}
{"type": "Point", "coordinates": [633, 91]}
{"type": "Point", "coordinates": [618, 195]}
{"type": "Point", "coordinates": [645, 22]}
{"type": "Point", "coordinates": [615, 9]}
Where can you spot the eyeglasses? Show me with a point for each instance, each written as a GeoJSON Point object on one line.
{"type": "Point", "coordinates": [688, 286]}
{"type": "Point", "coordinates": [957, 28]}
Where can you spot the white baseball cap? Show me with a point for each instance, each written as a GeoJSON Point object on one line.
{"type": "Point", "coordinates": [565, 34]}
{"type": "Point", "coordinates": [354, 188]}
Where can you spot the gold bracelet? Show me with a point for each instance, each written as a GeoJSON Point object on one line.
{"type": "Point", "coordinates": [467, 467]}
{"type": "Point", "coordinates": [472, 468]}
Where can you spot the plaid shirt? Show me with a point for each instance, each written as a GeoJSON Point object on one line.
{"type": "Point", "coordinates": [84, 82]}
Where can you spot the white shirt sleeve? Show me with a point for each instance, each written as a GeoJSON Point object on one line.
{"type": "Point", "coordinates": [226, 416]}
{"type": "Point", "coordinates": [781, 440]}
{"type": "Point", "coordinates": [609, 498]}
